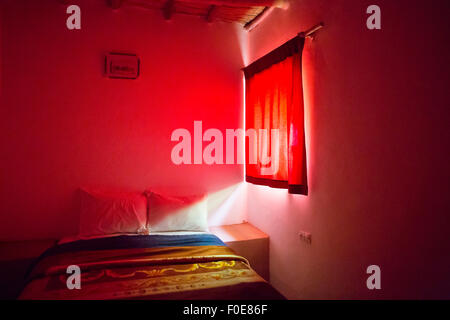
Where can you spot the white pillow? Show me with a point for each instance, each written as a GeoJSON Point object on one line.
{"type": "Point", "coordinates": [104, 213]}
{"type": "Point", "coordinates": [173, 213]}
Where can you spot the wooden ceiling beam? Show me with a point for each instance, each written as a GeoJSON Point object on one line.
{"type": "Point", "coordinates": [168, 9]}
{"type": "Point", "coordinates": [114, 4]}
{"type": "Point", "coordinates": [209, 15]}
{"type": "Point", "coordinates": [241, 3]}
{"type": "Point", "coordinates": [249, 26]}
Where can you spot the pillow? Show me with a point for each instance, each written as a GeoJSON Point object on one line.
{"type": "Point", "coordinates": [173, 213]}
{"type": "Point", "coordinates": [108, 213]}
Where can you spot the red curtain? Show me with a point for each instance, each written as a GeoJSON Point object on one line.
{"type": "Point", "coordinates": [275, 147]}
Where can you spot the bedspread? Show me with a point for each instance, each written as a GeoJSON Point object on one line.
{"type": "Point", "coordinates": [146, 267]}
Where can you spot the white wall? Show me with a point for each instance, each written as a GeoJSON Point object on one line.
{"type": "Point", "coordinates": [377, 140]}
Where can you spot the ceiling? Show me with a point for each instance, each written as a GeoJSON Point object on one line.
{"type": "Point", "coordinates": [244, 12]}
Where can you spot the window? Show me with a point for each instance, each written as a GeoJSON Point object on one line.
{"type": "Point", "coordinates": [274, 119]}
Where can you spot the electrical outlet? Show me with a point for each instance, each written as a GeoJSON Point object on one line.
{"type": "Point", "coordinates": [305, 236]}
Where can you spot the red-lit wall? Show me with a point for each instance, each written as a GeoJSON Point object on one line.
{"type": "Point", "coordinates": [377, 113]}
{"type": "Point", "coordinates": [65, 125]}
{"type": "Point", "coordinates": [0, 56]}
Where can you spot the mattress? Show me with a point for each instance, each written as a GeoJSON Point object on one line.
{"type": "Point", "coordinates": [160, 266]}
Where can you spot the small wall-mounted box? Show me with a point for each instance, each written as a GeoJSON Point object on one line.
{"type": "Point", "coordinates": [305, 236]}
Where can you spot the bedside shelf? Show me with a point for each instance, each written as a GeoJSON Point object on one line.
{"type": "Point", "coordinates": [249, 242]}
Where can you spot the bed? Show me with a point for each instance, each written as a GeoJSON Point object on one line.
{"type": "Point", "coordinates": [175, 266]}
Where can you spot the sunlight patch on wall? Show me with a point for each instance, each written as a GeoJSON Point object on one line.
{"type": "Point", "coordinates": [244, 45]}
{"type": "Point", "coordinates": [308, 75]}
{"type": "Point", "coordinates": [227, 204]}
